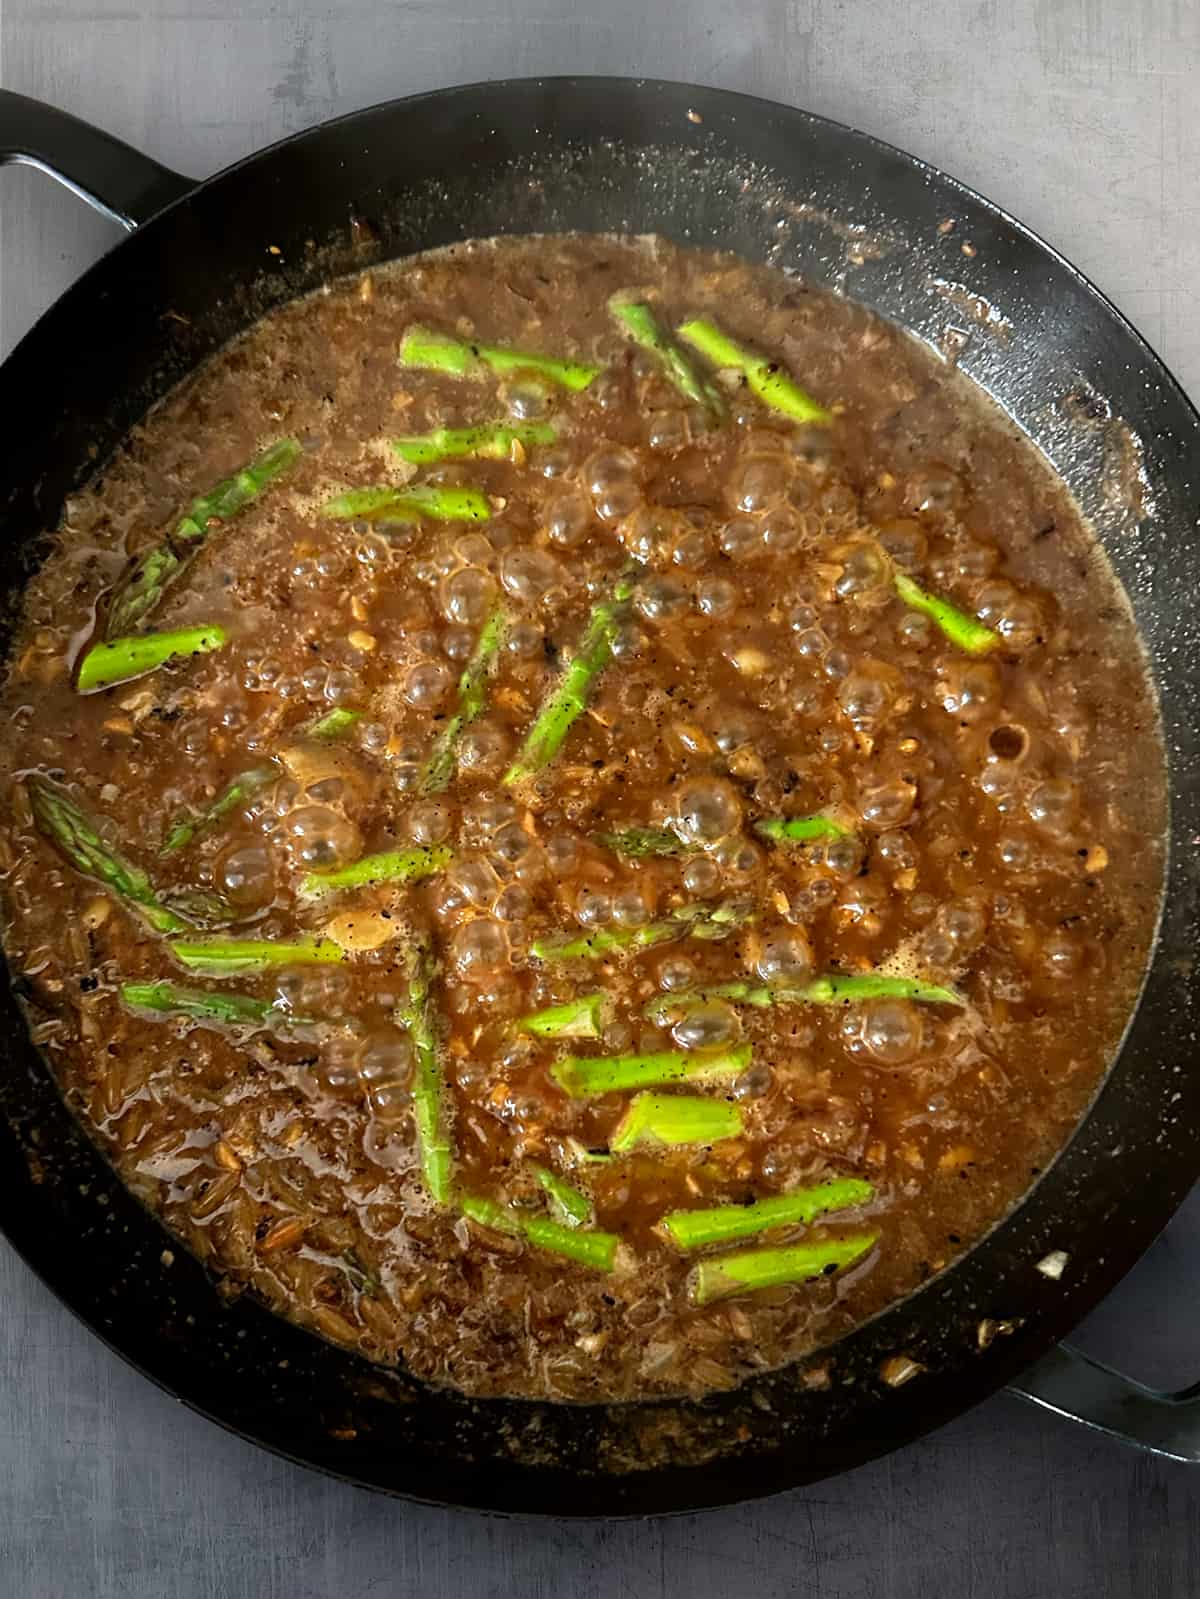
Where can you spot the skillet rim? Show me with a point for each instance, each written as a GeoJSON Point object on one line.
{"type": "Point", "coordinates": [910, 1418]}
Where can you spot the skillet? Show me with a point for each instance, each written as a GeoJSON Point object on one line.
{"type": "Point", "coordinates": [774, 184]}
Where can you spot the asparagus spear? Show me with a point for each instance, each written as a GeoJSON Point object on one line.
{"type": "Point", "coordinates": [232, 795]}
{"type": "Point", "coordinates": [726, 1275]}
{"type": "Point", "coordinates": [170, 999]}
{"type": "Point", "coordinates": [714, 922]}
{"type": "Point", "coordinates": [389, 866]}
{"type": "Point", "coordinates": [692, 1229]}
{"type": "Point", "coordinates": [416, 1014]}
{"type": "Point", "coordinates": [675, 1119]}
{"type": "Point", "coordinates": [587, 1076]}
{"type": "Point", "coordinates": [577, 1018]}
{"type": "Point", "coordinates": [332, 725]}
{"type": "Point", "coordinates": [391, 504]}
{"type": "Point", "coordinates": [199, 907]}
{"type": "Point", "coordinates": [604, 941]}
{"type": "Point", "coordinates": [434, 352]}
{"type": "Point", "coordinates": [639, 842]}
{"type": "Point", "coordinates": [829, 990]}
{"type": "Point", "coordinates": [836, 989]}
{"type": "Point", "coordinates": [581, 1155]}
{"type": "Point", "coordinates": [962, 630]}
{"type": "Point", "coordinates": [645, 329]}
{"type": "Point", "coordinates": [361, 1280]}
{"type": "Point", "coordinates": [488, 1213]}
{"type": "Point", "coordinates": [588, 1247]}
{"type": "Point", "coordinates": [490, 441]}
{"type": "Point", "coordinates": [766, 378]}
{"type": "Point", "coordinates": [120, 659]}
{"type": "Point", "coordinates": [230, 957]}
{"type": "Point", "coordinates": [741, 992]}
{"type": "Point", "coordinates": [234, 493]}
{"type": "Point", "coordinates": [570, 698]}
{"type": "Point", "coordinates": [574, 1209]}
{"type": "Point", "coordinates": [142, 586]}
{"type": "Point", "coordinates": [472, 697]}
{"type": "Point", "coordinates": [59, 818]}
{"type": "Point", "coordinates": [709, 922]}
{"type": "Point", "coordinates": [800, 829]}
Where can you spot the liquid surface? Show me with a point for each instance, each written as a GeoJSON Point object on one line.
{"type": "Point", "coordinates": [379, 1142]}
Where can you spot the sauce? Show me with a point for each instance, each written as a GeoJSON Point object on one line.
{"type": "Point", "coordinates": [578, 778]}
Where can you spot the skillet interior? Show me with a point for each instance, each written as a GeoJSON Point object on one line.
{"type": "Point", "coordinates": [774, 185]}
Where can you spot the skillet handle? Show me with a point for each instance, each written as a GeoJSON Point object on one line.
{"type": "Point", "coordinates": [1082, 1390]}
{"type": "Point", "coordinates": [118, 181]}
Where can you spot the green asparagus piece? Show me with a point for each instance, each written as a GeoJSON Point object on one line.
{"type": "Point", "coordinates": [387, 503]}
{"type": "Point", "coordinates": [645, 329]}
{"type": "Point", "coordinates": [488, 1213]}
{"type": "Point", "coordinates": [472, 698]}
{"type": "Point", "coordinates": [589, 1248]}
{"type": "Point", "coordinates": [332, 725]}
{"type": "Point", "coordinates": [574, 1209]}
{"type": "Point", "coordinates": [581, 1155]}
{"type": "Point", "coordinates": [604, 941]}
{"type": "Point", "coordinates": [434, 352]}
{"type": "Point", "coordinates": [234, 493]}
{"type": "Point", "coordinates": [639, 842]}
{"type": "Point", "coordinates": [820, 991]}
{"type": "Point", "coordinates": [675, 1119]}
{"type": "Point", "coordinates": [65, 823]}
{"type": "Point", "coordinates": [232, 795]}
{"type": "Point", "coordinates": [570, 698]}
{"type": "Point", "coordinates": [199, 907]}
{"type": "Point", "coordinates": [233, 956]}
{"type": "Point", "coordinates": [417, 1015]}
{"type": "Point", "coordinates": [765, 378]}
{"type": "Point", "coordinates": [692, 1229]}
{"type": "Point", "coordinates": [169, 999]}
{"type": "Point", "coordinates": [707, 922]}
{"type": "Point", "coordinates": [490, 441]}
{"type": "Point", "coordinates": [800, 829]}
{"type": "Point", "coordinates": [577, 1018]}
{"type": "Point", "coordinates": [120, 659]}
{"type": "Point", "coordinates": [587, 1076]}
{"type": "Point", "coordinates": [726, 1275]}
{"type": "Point", "coordinates": [714, 922]}
{"type": "Point", "coordinates": [389, 866]}
{"type": "Point", "coordinates": [142, 586]}
{"type": "Point", "coordinates": [834, 990]}
{"type": "Point", "coordinates": [757, 995]}
{"type": "Point", "coordinates": [962, 630]}
{"type": "Point", "coordinates": [361, 1280]}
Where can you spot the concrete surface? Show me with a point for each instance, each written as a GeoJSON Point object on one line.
{"type": "Point", "coordinates": [1079, 116]}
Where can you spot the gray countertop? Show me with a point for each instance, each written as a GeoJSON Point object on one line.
{"type": "Point", "coordinates": [1080, 117]}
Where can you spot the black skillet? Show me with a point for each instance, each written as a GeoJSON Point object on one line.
{"type": "Point", "coordinates": [775, 184]}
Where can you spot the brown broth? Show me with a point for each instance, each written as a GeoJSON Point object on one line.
{"type": "Point", "coordinates": [1003, 813]}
